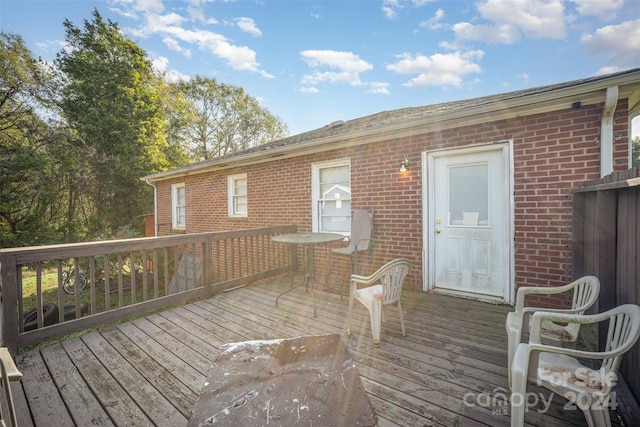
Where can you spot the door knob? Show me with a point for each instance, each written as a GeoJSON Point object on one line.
{"type": "Point", "coordinates": [438, 231]}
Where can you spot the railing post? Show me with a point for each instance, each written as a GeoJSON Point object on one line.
{"type": "Point", "coordinates": [9, 305]}
{"type": "Point", "coordinates": [207, 256]}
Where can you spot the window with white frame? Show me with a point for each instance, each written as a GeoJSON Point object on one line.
{"type": "Point", "coordinates": [178, 206]}
{"type": "Point", "coordinates": [238, 195]}
{"type": "Point", "coordinates": [331, 194]}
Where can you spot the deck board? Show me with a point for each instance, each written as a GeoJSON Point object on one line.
{"type": "Point", "coordinates": [150, 371]}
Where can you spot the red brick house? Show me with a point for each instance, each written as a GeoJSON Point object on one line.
{"type": "Point", "coordinates": [483, 207]}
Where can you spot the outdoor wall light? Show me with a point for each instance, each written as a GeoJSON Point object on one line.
{"type": "Point", "coordinates": [403, 165]}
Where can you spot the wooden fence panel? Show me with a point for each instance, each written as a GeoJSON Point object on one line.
{"type": "Point", "coordinates": [606, 243]}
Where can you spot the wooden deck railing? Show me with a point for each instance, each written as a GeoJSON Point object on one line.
{"type": "Point", "coordinates": [125, 278]}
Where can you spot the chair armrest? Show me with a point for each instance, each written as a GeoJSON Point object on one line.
{"type": "Point", "coordinates": [536, 329]}
{"type": "Point", "coordinates": [357, 245]}
{"type": "Point", "coordinates": [551, 290]}
{"type": "Point", "coordinates": [531, 290]}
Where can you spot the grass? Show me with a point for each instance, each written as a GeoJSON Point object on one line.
{"type": "Point", "coordinates": [49, 280]}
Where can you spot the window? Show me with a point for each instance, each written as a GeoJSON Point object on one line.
{"type": "Point", "coordinates": [238, 195]}
{"type": "Point", "coordinates": [331, 194]}
{"type": "Point", "coordinates": [178, 206]}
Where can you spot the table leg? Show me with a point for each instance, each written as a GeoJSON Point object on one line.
{"type": "Point", "coordinates": [307, 279]}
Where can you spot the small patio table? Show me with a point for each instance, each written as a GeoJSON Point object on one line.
{"type": "Point", "coordinates": [308, 241]}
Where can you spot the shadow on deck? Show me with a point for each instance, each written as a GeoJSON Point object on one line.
{"type": "Point", "coordinates": [450, 369]}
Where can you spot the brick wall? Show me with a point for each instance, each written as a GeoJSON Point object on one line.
{"type": "Point", "coordinates": [553, 153]}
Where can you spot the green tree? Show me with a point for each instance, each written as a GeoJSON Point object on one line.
{"type": "Point", "coordinates": [110, 100]}
{"type": "Point", "coordinates": [31, 207]}
{"type": "Point", "coordinates": [635, 151]}
{"type": "Point", "coordinates": [223, 119]}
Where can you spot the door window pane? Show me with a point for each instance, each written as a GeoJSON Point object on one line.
{"type": "Point", "coordinates": [469, 195]}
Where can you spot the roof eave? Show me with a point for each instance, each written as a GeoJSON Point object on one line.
{"type": "Point", "coordinates": [587, 93]}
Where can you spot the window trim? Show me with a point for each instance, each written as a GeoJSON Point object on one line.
{"type": "Point", "coordinates": [175, 224]}
{"type": "Point", "coordinates": [315, 188]}
{"type": "Point", "coordinates": [231, 181]}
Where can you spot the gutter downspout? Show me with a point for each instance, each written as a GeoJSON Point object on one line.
{"type": "Point", "coordinates": [606, 131]}
{"type": "Point", "coordinates": [155, 207]}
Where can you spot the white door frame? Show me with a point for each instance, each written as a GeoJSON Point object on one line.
{"type": "Point", "coordinates": [428, 212]}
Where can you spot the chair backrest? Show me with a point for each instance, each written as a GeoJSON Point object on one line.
{"type": "Point", "coordinates": [585, 294]}
{"type": "Point", "coordinates": [624, 331]}
{"type": "Point", "coordinates": [392, 276]}
{"type": "Point", "coordinates": [361, 229]}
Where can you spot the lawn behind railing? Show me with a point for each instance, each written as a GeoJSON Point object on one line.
{"type": "Point", "coordinates": [125, 278]}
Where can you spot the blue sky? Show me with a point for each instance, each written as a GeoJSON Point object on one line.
{"type": "Point", "coordinates": [314, 62]}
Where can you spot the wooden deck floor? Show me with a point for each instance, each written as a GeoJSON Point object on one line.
{"type": "Point", "coordinates": [448, 371]}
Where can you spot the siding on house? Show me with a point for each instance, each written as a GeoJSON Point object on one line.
{"type": "Point", "coordinates": [553, 152]}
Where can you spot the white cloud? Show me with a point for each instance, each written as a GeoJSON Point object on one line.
{"type": "Point", "coordinates": [619, 41]}
{"type": "Point", "coordinates": [438, 69]}
{"type": "Point", "coordinates": [509, 19]}
{"type": "Point", "coordinates": [160, 64]}
{"type": "Point", "coordinates": [379, 87]}
{"type": "Point", "coordinates": [390, 8]}
{"type": "Point", "coordinates": [170, 26]}
{"type": "Point", "coordinates": [434, 23]}
{"type": "Point", "coordinates": [174, 46]}
{"type": "Point", "coordinates": [308, 89]}
{"type": "Point", "coordinates": [345, 67]}
{"type": "Point", "coordinates": [248, 26]}
{"type": "Point", "coordinates": [506, 34]}
{"type": "Point", "coordinates": [604, 9]}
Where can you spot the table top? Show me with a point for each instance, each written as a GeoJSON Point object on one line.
{"type": "Point", "coordinates": [307, 238]}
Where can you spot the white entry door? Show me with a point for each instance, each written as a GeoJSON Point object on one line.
{"type": "Point", "coordinates": [468, 229]}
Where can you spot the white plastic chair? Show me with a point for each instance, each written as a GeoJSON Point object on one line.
{"type": "Point", "coordinates": [559, 370]}
{"type": "Point", "coordinates": [585, 293]}
{"type": "Point", "coordinates": [384, 287]}
{"type": "Point", "coordinates": [360, 239]}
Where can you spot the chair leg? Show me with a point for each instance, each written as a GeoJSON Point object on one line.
{"type": "Point", "coordinates": [513, 339]}
{"type": "Point", "coordinates": [375, 313]}
{"type": "Point", "coordinates": [597, 414]}
{"type": "Point", "coordinates": [401, 318]}
{"type": "Point", "coordinates": [519, 389]}
{"type": "Point", "coordinates": [352, 295]}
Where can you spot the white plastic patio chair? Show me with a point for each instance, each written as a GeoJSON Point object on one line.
{"type": "Point", "coordinates": [585, 293]}
{"type": "Point", "coordinates": [384, 287]}
{"type": "Point", "coordinates": [360, 239]}
{"type": "Point", "coordinates": [559, 370]}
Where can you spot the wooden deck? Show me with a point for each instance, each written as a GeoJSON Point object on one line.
{"type": "Point", "coordinates": [450, 369]}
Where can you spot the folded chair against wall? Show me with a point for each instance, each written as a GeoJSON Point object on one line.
{"type": "Point", "coordinates": [383, 288]}
{"type": "Point", "coordinates": [562, 371]}
{"type": "Point", "coordinates": [360, 239]}
{"type": "Point", "coordinates": [585, 292]}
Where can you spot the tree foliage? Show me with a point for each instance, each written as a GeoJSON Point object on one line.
{"type": "Point", "coordinates": [110, 101]}
{"type": "Point", "coordinates": [223, 119]}
{"type": "Point", "coordinates": [635, 151]}
{"type": "Point", "coordinates": [30, 169]}
{"type": "Point", "coordinates": [77, 135]}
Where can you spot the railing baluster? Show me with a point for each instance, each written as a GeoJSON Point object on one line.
{"type": "Point", "coordinates": [92, 283]}
{"type": "Point", "coordinates": [120, 282]}
{"type": "Point", "coordinates": [107, 288]}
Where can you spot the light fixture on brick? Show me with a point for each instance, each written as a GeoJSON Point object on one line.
{"type": "Point", "coordinates": [403, 165]}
